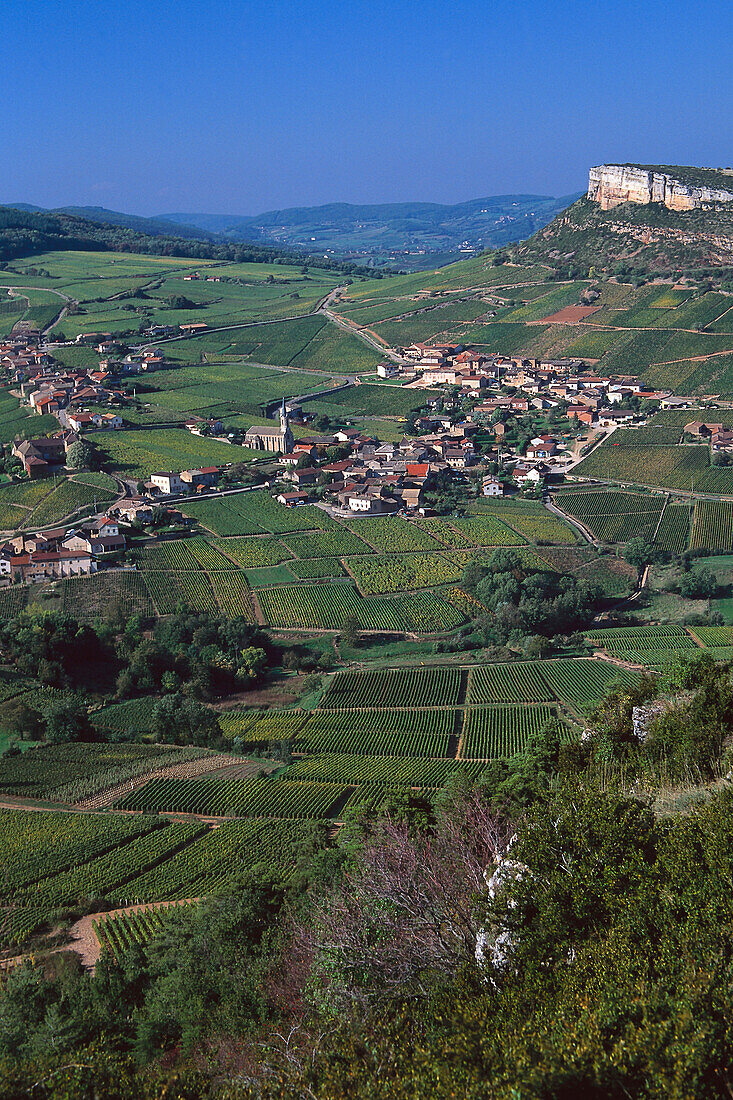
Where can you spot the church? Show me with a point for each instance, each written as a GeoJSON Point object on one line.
{"type": "Point", "coordinates": [275, 439]}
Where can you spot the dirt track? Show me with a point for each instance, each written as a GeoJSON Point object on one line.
{"type": "Point", "coordinates": [84, 941]}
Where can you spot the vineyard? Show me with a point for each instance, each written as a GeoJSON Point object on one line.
{"type": "Point", "coordinates": [253, 553]}
{"type": "Point", "coordinates": [389, 771]}
{"type": "Point", "coordinates": [517, 683]}
{"type": "Point", "coordinates": [53, 860]}
{"type": "Point", "coordinates": [233, 594]}
{"type": "Point", "coordinates": [169, 589]}
{"type": "Point", "coordinates": [490, 732]}
{"type": "Point", "coordinates": [392, 535]}
{"type": "Point", "coordinates": [411, 732]}
{"type": "Point", "coordinates": [117, 934]}
{"type": "Point", "coordinates": [218, 857]}
{"type": "Point", "coordinates": [325, 544]}
{"type": "Point", "coordinates": [316, 569]}
{"type": "Point", "coordinates": [674, 528]}
{"type": "Point", "coordinates": [615, 516]}
{"type": "Point", "coordinates": [404, 687]}
{"type": "Point", "coordinates": [487, 530]}
{"type": "Point", "coordinates": [328, 606]}
{"type": "Point", "coordinates": [645, 645]}
{"type": "Point", "coordinates": [682, 467]}
{"type": "Point", "coordinates": [574, 683]}
{"type": "Point", "coordinates": [92, 597]}
{"type": "Point", "coordinates": [255, 513]}
{"type": "Point", "coordinates": [445, 533]}
{"type": "Point", "coordinates": [68, 773]}
{"type": "Point", "coordinates": [712, 525]}
{"type": "Point", "coordinates": [401, 573]}
{"type": "Point", "coordinates": [281, 798]}
{"type": "Point", "coordinates": [713, 635]}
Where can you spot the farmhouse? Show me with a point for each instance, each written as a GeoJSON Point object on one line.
{"type": "Point", "coordinates": [39, 455]}
{"type": "Point", "coordinates": [291, 500]}
{"type": "Point", "coordinates": [492, 487]}
{"type": "Point", "coordinates": [44, 565]}
{"type": "Point", "coordinates": [168, 483]}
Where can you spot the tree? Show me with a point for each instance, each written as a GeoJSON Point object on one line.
{"type": "Point", "coordinates": [67, 720]}
{"type": "Point", "coordinates": [698, 584]}
{"type": "Point", "coordinates": [80, 455]}
{"type": "Point", "coordinates": [351, 632]}
{"type": "Point", "coordinates": [639, 553]}
{"type": "Point", "coordinates": [22, 721]}
{"type": "Point", "coordinates": [178, 301]}
{"type": "Point", "coordinates": [180, 721]}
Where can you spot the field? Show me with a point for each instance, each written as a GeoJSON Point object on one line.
{"type": "Point", "coordinates": [372, 732]}
{"type": "Point", "coordinates": [614, 516]}
{"type": "Point", "coordinates": [328, 606]}
{"type": "Point", "coordinates": [395, 688]}
{"type": "Point", "coordinates": [681, 467]}
{"type": "Point", "coordinates": [117, 934]}
{"type": "Point", "coordinates": [530, 519]}
{"type": "Point", "coordinates": [52, 861]}
{"type": "Point", "coordinates": [104, 284]}
{"type": "Point", "coordinates": [101, 594]}
{"type": "Point", "coordinates": [574, 683]}
{"type": "Point", "coordinates": [256, 513]}
{"type": "Point", "coordinates": [651, 332]}
{"type": "Point", "coordinates": [500, 731]}
{"type": "Point", "coordinates": [402, 572]}
{"type": "Point", "coordinates": [238, 797]}
{"type": "Point", "coordinates": [170, 589]}
{"type": "Point", "coordinates": [408, 732]}
{"type": "Point", "coordinates": [377, 771]}
{"type": "Point", "coordinates": [68, 773]}
{"type": "Point", "coordinates": [712, 525]}
{"type": "Point", "coordinates": [393, 535]}
{"type": "Point", "coordinates": [138, 454]}
{"type": "Point", "coordinates": [653, 646]}
{"type": "Point", "coordinates": [252, 553]}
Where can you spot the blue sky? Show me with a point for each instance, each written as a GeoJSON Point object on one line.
{"type": "Point", "coordinates": [245, 106]}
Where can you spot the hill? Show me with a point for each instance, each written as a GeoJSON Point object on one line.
{"type": "Point", "coordinates": [676, 333]}
{"type": "Point", "coordinates": [641, 219]}
{"type": "Point", "coordinates": [416, 235]}
{"type": "Point", "coordinates": [26, 231]}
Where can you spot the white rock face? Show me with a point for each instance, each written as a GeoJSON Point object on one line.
{"type": "Point", "coordinates": [611, 184]}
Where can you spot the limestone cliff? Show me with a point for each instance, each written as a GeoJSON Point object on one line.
{"type": "Point", "coordinates": [612, 184]}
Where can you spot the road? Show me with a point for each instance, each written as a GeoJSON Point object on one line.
{"type": "Point", "coordinates": [59, 316]}
{"type": "Point", "coordinates": [353, 330]}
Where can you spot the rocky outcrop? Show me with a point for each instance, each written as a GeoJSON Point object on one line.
{"type": "Point", "coordinates": [612, 184]}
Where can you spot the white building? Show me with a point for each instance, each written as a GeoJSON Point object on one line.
{"type": "Point", "coordinates": [168, 484]}
{"type": "Point", "coordinates": [492, 487]}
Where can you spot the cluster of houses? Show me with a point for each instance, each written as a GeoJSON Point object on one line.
{"type": "Point", "coordinates": [167, 483]}
{"type": "Point", "coordinates": [376, 477]}
{"type": "Point", "coordinates": [538, 384]}
{"type": "Point", "coordinates": [719, 437]}
{"type": "Point", "coordinates": [51, 555]}
{"type": "Point", "coordinates": [41, 456]}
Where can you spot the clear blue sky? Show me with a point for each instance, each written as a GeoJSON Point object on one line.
{"type": "Point", "coordinates": [244, 106]}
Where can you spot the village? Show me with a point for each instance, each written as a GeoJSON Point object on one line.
{"type": "Point", "coordinates": [490, 425]}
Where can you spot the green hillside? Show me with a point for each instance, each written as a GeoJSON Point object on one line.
{"type": "Point", "coordinates": [636, 239]}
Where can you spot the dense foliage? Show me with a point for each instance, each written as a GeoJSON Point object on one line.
{"type": "Point", "coordinates": [526, 600]}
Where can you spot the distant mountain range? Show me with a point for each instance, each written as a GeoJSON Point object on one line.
{"type": "Point", "coordinates": [151, 227]}
{"type": "Point", "coordinates": [408, 235]}
{"type": "Point", "coordinates": [411, 236]}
